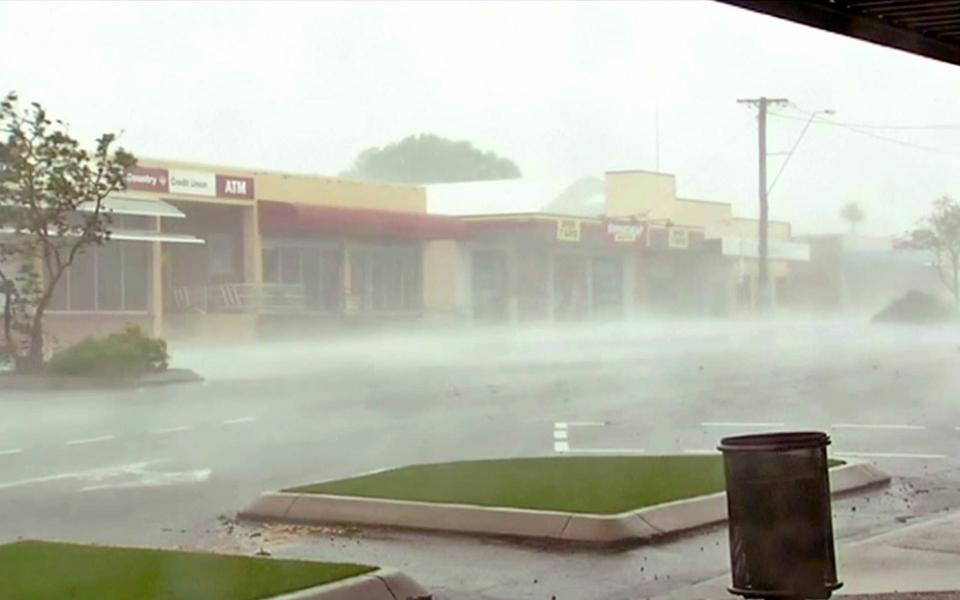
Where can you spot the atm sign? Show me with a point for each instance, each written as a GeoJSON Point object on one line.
{"type": "Point", "coordinates": [234, 187]}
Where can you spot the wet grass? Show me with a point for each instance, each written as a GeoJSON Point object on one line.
{"type": "Point", "coordinates": [592, 484]}
{"type": "Point", "coordinates": [578, 484]}
{"type": "Point", "coordinates": [54, 571]}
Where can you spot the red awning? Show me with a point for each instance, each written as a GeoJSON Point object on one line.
{"type": "Point", "coordinates": [280, 218]}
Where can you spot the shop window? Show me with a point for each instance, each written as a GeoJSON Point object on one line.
{"type": "Point", "coordinates": [315, 268]}
{"type": "Point", "coordinates": [271, 265]}
{"type": "Point", "coordinates": [221, 250]}
{"type": "Point", "coordinates": [111, 277]}
{"type": "Point", "coordinates": [386, 279]}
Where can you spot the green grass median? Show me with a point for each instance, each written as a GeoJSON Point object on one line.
{"type": "Point", "coordinates": [54, 571]}
{"type": "Point", "coordinates": [578, 484]}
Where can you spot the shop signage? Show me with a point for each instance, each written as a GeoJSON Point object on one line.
{"type": "Point", "coordinates": [679, 238]}
{"type": "Point", "coordinates": [190, 183]}
{"type": "Point", "coordinates": [229, 186]}
{"type": "Point", "coordinates": [568, 230]}
{"type": "Point", "coordinates": [625, 232]}
{"type": "Point", "coordinates": [147, 179]}
{"type": "Point", "coordinates": [193, 183]}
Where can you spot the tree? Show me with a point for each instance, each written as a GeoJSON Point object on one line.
{"type": "Point", "coordinates": [940, 234]}
{"type": "Point", "coordinates": [853, 214]}
{"type": "Point", "coordinates": [429, 158]}
{"type": "Point", "coordinates": [51, 210]}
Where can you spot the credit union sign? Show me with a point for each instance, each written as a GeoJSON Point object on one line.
{"type": "Point", "coordinates": [189, 183]}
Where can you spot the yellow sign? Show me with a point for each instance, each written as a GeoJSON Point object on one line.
{"type": "Point", "coordinates": [679, 238]}
{"type": "Point", "coordinates": [568, 230]}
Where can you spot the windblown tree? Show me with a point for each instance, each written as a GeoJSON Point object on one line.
{"type": "Point", "coordinates": [428, 158]}
{"type": "Point", "coordinates": [852, 214]}
{"type": "Point", "coordinates": [51, 210]}
{"type": "Point", "coordinates": [940, 234]}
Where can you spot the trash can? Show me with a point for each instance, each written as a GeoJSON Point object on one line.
{"type": "Point", "coordinates": [778, 503]}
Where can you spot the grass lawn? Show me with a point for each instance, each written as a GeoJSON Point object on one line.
{"type": "Point", "coordinates": [54, 571]}
{"type": "Point", "coordinates": [579, 484]}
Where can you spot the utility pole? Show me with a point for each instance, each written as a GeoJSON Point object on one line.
{"type": "Point", "coordinates": [763, 276]}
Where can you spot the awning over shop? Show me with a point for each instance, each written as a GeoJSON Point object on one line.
{"type": "Point", "coordinates": [134, 235]}
{"type": "Point", "coordinates": [279, 218]}
{"type": "Point", "coordinates": [142, 207]}
{"type": "Point", "coordinates": [776, 249]}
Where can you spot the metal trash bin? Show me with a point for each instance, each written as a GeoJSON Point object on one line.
{"type": "Point", "coordinates": [778, 503]}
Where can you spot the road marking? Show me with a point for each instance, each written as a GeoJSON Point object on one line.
{"type": "Point", "coordinates": [734, 424]}
{"type": "Point", "coordinates": [153, 479]}
{"type": "Point", "coordinates": [587, 423]}
{"type": "Point", "coordinates": [889, 455]}
{"type": "Point", "coordinates": [700, 451]}
{"type": "Point", "coordinates": [561, 447]}
{"type": "Point", "coordinates": [239, 420]}
{"type": "Point", "coordinates": [11, 451]}
{"type": "Point", "coordinates": [875, 426]}
{"type": "Point", "coordinates": [560, 434]}
{"type": "Point", "coordinates": [171, 430]}
{"type": "Point", "coordinates": [606, 450]}
{"type": "Point", "coordinates": [102, 438]}
{"type": "Point", "coordinates": [93, 474]}
{"type": "Point", "coordinates": [559, 425]}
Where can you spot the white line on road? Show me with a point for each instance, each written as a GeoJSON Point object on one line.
{"type": "Point", "coordinates": [559, 425]}
{"type": "Point", "coordinates": [560, 434]}
{"type": "Point", "coordinates": [889, 455]}
{"type": "Point", "coordinates": [171, 430]}
{"type": "Point", "coordinates": [11, 451]}
{"type": "Point", "coordinates": [102, 438]}
{"type": "Point", "coordinates": [700, 451]}
{"type": "Point", "coordinates": [606, 450]}
{"type": "Point", "coordinates": [94, 474]}
{"type": "Point", "coordinates": [733, 424]}
{"type": "Point", "coordinates": [875, 426]}
{"type": "Point", "coordinates": [239, 420]}
{"type": "Point", "coordinates": [561, 447]}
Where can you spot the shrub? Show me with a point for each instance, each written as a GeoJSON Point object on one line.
{"type": "Point", "coordinates": [127, 353]}
{"type": "Point", "coordinates": [915, 307]}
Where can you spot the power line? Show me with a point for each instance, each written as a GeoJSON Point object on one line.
{"type": "Point", "coordinates": [871, 134]}
{"type": "Point", "coordinates": [875, 126]}
{"type": "Point", "coordinates": [792, 150]}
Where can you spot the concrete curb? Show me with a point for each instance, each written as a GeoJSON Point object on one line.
{"type": "Point", "coordinates": [30, 382]}
{"type": "Point", "coordinates": [631, 526]}
{"type": "Point", "coordinates": [382, 584]}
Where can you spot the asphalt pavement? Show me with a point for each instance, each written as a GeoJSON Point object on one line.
{"type": "Point", "coordinates": [161, 466]}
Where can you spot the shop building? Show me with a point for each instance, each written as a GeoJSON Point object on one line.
{"type": "Point", "coordinates": [201, 251]}
{"type": "Point", "coordinates": [640, 250]}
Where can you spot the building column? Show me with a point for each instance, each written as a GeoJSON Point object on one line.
{"type": "Point", "coordinates": [513, 284]}
{"type": "Point", "coordinates": [628, 282]}
{"type": "Point", "coordinates": [252, 246]}
{"type": "Point", "coordinates": [551, 288]}
{"type": "Point", "coordinates": [156, 283]}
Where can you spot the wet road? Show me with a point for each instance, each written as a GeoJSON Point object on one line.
{"type": "Point", "coordinates": [157, 466]}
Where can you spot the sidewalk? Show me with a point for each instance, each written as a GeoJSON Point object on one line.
{"type": "Point", "coordinates": [924, 557]}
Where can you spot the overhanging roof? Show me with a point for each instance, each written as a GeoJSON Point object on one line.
{"type": "Point", "coordinates": [929, 28]}
{"type": "Point", "coordinates": [143, 207]}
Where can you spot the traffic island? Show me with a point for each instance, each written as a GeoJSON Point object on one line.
{"type": "Point", "coordinates": [53, 571]}
{"type": "Point", "coordinates": [594, 500]}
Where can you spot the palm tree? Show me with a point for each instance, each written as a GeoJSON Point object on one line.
{"type": "Point", "coordinates": [853, 214]}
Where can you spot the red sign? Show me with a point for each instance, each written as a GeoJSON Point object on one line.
{"type": "Point", "coordinates": [148, 179]}
{"type": "Point", "coordinates": [229, 186]}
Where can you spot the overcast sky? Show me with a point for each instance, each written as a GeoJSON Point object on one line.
{"type": "Point", "coordinates": [565, 90]}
